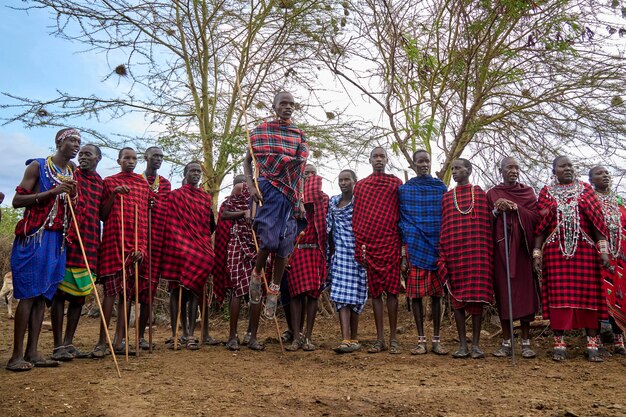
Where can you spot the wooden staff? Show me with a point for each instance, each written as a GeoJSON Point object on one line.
{"type": "Point", "coordinates": [202, 310]}
{"type": "Point", "coordinates": [150, 278]}
{"type": "Point", "coordinates": [136, 282]}
{"type": "Point", "coordinates": [256, 185]}
{"type": "Point", "coordinates": [180, 303]}
{"type": "Point", "coordinates": [93, 283]}
{"type": "Point", "coordinates": [124, 279]}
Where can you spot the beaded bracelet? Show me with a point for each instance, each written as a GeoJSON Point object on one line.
{"type": "Point", "coordinates": [603, 246]}
{"type": "Point", "coordinates": [537, 253]}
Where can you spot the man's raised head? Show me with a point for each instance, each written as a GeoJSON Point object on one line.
{"type": "Point", "coordinates": [284, 105]}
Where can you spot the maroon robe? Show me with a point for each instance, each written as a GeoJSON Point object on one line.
{"type": "Point", "coordinates": [520, 227]}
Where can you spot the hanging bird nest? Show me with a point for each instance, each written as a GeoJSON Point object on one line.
{"type": "Point", "coordinates": [42, 112]}
{"type": "Point", "coordinates": [121, 70]}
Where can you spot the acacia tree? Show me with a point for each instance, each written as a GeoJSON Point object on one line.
{"type": "Point", "coordinates": [528, 78]}
{"type": "Point", "coordinates": [183, 59]}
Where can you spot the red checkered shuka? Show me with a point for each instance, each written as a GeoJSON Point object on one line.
{"type": "Point", "coordinates": [422, 283]}
{"type": "Point", "coordinates": [465, 262]}
{"type": "Point", "coordinates": [615, 278]}
{"type": "Point", "coordinates": [110, 255]}
{"type": "Point", "coordinates": [188, 255]}
{"type": "Point", "coordinates": [573, 282]}
{"type": "Point", "coordinates": [87, 210]}
{"type": "Point", "coordinates": [281, 151]}
{"type": "Point", "coordinates": [308, 264]}
{"type": "Point", "coordinates": [158, 228]}
{"type": "Point", "coordinates": [221, 278]}
{"type": "Point", "coordinates": [375, 224]}
{"type": "Point", "coordinates": [241, 253]}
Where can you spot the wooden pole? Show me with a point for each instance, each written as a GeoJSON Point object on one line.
{"type": "Point", "coordinates": [136, 281]}
{"type": "Point", "coordinates": [203, 310]}
{"type": "Point", "coordinates": [124, 279]}
{"type": "Point", "coordinates": [150, 278]}
{"type": "Point", "coordinates": [93, 284]}
{"type": "Point", "coordinates": [180, 303]}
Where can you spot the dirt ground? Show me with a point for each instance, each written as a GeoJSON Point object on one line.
{"type": "Point", "coordinates": [213, 381]}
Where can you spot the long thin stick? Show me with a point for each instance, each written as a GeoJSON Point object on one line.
{"type": "Point", "coordinates": [150, 278]}
{"type": "Point", "coordinates": [124, 279]}
{"type": "Point", "coordinates": [93, 283]}
{"type": "Point", "coordinates": [508, 284]}
{"type": "Point", "coordinates": [202, 311]}
{"type": "Point", "coordinates": [136, 281]}
{"type": "Point", "coordinates": [180, 302]}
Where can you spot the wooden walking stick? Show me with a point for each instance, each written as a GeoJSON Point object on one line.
{"type": "Point", "coordinates": [256, 185]}
{"type": "Point", "coordinates": [93, 283]}
{"type": "Point", "coordinates": [203, 310]}
{"type": "Point", "coordinates": [180, 302]}
{"type": "Point", "coordinates": [508, 284]}
{"type": "Point", "coordinates": [150, 278]}
{"type": "Point", "coordinates": [136, 282]}
{"type": "Point", "coordinates": [124, 279]}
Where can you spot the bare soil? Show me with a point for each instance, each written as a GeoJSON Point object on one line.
{"type": "Point", "coordinates": [213, 381]}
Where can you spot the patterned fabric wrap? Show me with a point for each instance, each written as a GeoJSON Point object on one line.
{"type": "Point", "coordinates": [36, 215]}
{"type": "Point", "coordinates": [158, 230]}
{"type": "Point", "coordinates": [241, 250]}
{"type": "Point", "coordinates": [422, 283]}
{"type": "Point", "coordinates": [274, 223]}
{"type": "Point", "coordinates": [110, 255]}
{"type": "Point", "coordinates": [615, 281]}
{"type": "Point", "coordinates": [76, 282]}
{"type": "Point", "coordinates": [308, 264]}
{"type": "Point", "coordinates": [348, 283]}
{"type": "Point", "coordinates": [376, 232]}
{"type": "Point", "coordinates": [87, 210]}
{"type": "Point", "coordinates": [281, 151]}
{"type": "Point", "coordinates": [221, 277]}
{"type": "Point", "coordinates": [188, 255]}
{"type": "Point", "coordinates": [573, 283]}
{"type": "Point", "coordinates": [420, 219]}
{"type": "Point", "coordinates": [520, 225]}
{"type": "Point", "coordinates": [466, 246]}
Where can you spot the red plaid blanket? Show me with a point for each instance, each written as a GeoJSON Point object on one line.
{"type": "Point", "coordinates": [188, 252]}
{"type": "Point", "coordinates": [158, 227]}
{"type": "Point", "coordinates": [466, 245]}
{"type": "Point", "coordinates": [87, 209]}
{"type": "Point", "coordinates": [221, 277]}
{"type": "Point", "coordinates": [375, 224]}
{"type": "Point", "coordinates": [575, 282]}
{"type": "Point", "coordinates": [308, 265]}
{"type": "Point", "coordinates": [110, 256]}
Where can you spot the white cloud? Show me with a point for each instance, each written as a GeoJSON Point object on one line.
{"type": "Point", "coordinates": [15, 149]}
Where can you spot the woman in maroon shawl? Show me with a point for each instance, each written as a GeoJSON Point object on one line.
{"type": "Point", "coordinates": [566, 256]}
{"type": "Point", "coordinates": [614, 281]}
{"type": "Point", "coordinates": [519, 202]}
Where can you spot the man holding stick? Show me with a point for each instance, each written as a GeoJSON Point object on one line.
{"type": "Point", "coordinates": [188, 256]}
{"type": "Point", "coordinates": [123, 190]}
{"type": "Point", "coordinates": [38, 254]}
{"type": "Point", "coordinates": [519, 202]}
{"type": "Point", "coordinates": [279, 150]}
{"type": "Point", "coordinates": [76, 284]}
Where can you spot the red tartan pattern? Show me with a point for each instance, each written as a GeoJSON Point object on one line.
{"type": "Point", "coordinates": [280, 150]}
{"type": "Point", "coordinates": [466, 246]}
{"type": "Point", "coordinates": [188, 254]}
{"type": "Point", "coordinates": [87, 210]}
{"type": "Point", "coordinates": [422, 283]}
{"type": "Point", "coordinates": [375, 225]}
{"type": "Point", "coordinates": [472, 309]}
{"type": "Point", "coordinates": [575, 282]}
{"type": "Point", "coordinates": [36, 215]}
{"type": "Point", "coordinates": [308, 265]}
{"type": "Point", "coordinates": [158, 228]}
{"type": "Point", "coordinates": [615, 280]}
{"type": "Point", "coordinates": [109, 257]}
{"type": "Point", "coordinates": [221, 278]}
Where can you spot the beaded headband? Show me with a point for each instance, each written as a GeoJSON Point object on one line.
{"type": "Point", "coordinates": [69, 133]}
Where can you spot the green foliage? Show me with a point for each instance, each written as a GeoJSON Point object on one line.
{"type": "Point", "coordinates": [10, 217]}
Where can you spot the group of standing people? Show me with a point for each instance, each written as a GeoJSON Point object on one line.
{"type": "Point", "coordinates": [278, 236]}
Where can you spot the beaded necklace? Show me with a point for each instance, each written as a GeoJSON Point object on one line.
{"type": "Point", "coordinates": [613, 220]}
{"type": "Point", "coordinates": [155, 185]}
{"type": "Point", "coordinates": [567, 216]}
{"type": "Point", "coordinates": [456, 203]}
{"type": "Point", "coordinates": [55, 174]}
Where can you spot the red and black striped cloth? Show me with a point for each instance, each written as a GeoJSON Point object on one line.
{"type": "Point", "coordinates": [308, 264]}
{"type": "Point", "coordinates": [575, 282]}
{"type": "Point", "coordinates": [87, 210]}
{"type": "Point", "coordinates": [221, 277]}
{"type": "Point", "coordinates": [281, 151]}
{"type": "Point", "coordinates": [187, 255]}
{"type": "Point", "coordinates": [375, 224]}
{"type": "Point", "coordinates": [110, 256]}
{"type": "Point", "coordinates": [615, 279]}
{"type": "Point", "coordinates": [466, 246]}
{"type": "Point", "coordinates": [158, 228]}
